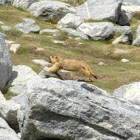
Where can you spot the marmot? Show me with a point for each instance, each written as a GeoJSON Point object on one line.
{"type": "Point", "coordinates": [70, 65]}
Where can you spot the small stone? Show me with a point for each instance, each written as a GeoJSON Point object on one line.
{"type": "Point", "coordinates": [9, 42]}
{"type": "Point", "coordinates": [39, 49]}
{"type": "Point", "coordinates": [124, 60]}
{"type": "Point", "coordinates": [48, 31]}
{"type": "Point", "coordinates": [1, 22]}
{"type": "Point", "coordinates": [59, 42]}
{"type": "Point", "coordinates": [6, 28]}
{"type": "Point", "coordinates": [117, 51]}
{"type": "Point", "coordinates": [41, 62]}
{"type": "Point", "coordinates": [14, 48]}
{"type": "Point", "coordinates": [101, 63]}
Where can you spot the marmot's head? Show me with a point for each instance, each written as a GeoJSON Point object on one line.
{"type": "Point", "coordinates": [54, 59]}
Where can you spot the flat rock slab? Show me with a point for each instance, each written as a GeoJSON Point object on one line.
{"type": "Point", "coordinates": [100, 9]}
{"type": "Point", "coordinates": [97, 30]}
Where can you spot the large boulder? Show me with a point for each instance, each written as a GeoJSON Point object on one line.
{"type": "Point", "coordinates": [51, 11]}
{"type": "Point", "coordinates": [130, 92]}
{"type": "Point", "coordinates": [8, 111]}
{"type": "Point", "coordinates": [5, 63]}
{"type": "Point", "coordinates": [131, 2]}
{"type": "Point", "coordinates": [27, 26]}
{"type": "Point", "coordinates": [6, 133]}
{"type": "Point", "coordinates": [125, 38]}
{"type": "Point", "coordinates": [20, 75]}
{"type": "Point", "coordinates": [70, 21]}
{"type": "Point", "coordinates": [98, 30]}
{"type": "Point", "coordinates": [100, 9]}
{"type": "Point", "coordinates": [5, 2]}
{"type": "Point", "coordinates": [136, 42]}
{"type": "Point", "coordinates": [56, 109]}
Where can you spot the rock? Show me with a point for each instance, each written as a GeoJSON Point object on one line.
{"type": "Point", "coordinates": [41, 62]}
{"type": "Point", "coordinates": [97, 10]}
{"type": "Point", "coordinates": [8, 111]}
{"type": "Point", "coordinates": [6, 28]}
{"type": "Point", "coordinates": [130, 8]}
{"type": "Point", "coordinates": [125, 18]}
{"type": "Point", "coordinates": [9, 42]}
{"type": "Point", "coordinates": [125, 38]}
{"type": "Point", "coordinates": [27, 26]}
{"type": "Point", "coordinates": [118, 51]}
{"type": "Point", "coordinates": [20, 75]}
{"type": "Point", "coordinates": [1, 22]}
{"type": "Point", "coordinates": [130, 92]}
{"type": "Point", "coordinates": [48, 31]}
{"type": "Point", "coordinates": [51, 11]}
{"type": "Point", "coordinates": [101, 63]}
{"type": "Point", "coordinates": [97, 31]}
{"type": "Point", "coordinates": [5, 64]}
{"type": "Point", "coordinates": [122, 29]}
{"type": "Point", "coordinates": [39, 49]}
{"type": "Point", "coordinates": [124, 60]}
{"type": "Point", "coordinates": [70, 21]}
{"type": "Point", "coordinates": [136, 42]}
{"type": "Point", "coordinates": [56, 109]}
{"type": "Point", "coordinates": [14, 48]}
{"type": "Point", "coordinates": [5, 2]}
{"type": "Point", "coordinates": [59, 42]}
{"type": "Point", "coordinates": [131, 2]}
{"type": "Point", "coordinates": [6, 133]}
{"type": "Point", "coordinates": [73, 32]}
{"type": "Point", "coordinates": [2, 98]}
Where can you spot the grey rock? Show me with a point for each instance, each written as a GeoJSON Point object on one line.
{"type": "Point", "coordinates": [70, 21]}
{"type": "Point", "coordinates": [5, 2]}
{"type": "Point", "coordinates": [136, 42]}
{"type": "Point", "coordinates": [125, 38]}
{"type": "Point", "coordinates": [99, 10]}
{"type": "Point", "coordinates": [8, 111]}
{"type": "Point", "coordinates": [51, 11]}
{"type": "Point", "coordinates": [125, 18]}
{"type": "Point", "coordinates": [75, 110]}
{"type": "Point", "coordinates": [6, 133]}
{"type": "Point", "coordinates": [14, 48]}
{"type": "Point", "coordinates": [97, 31]}
{"type": "Point", "coordinates": [2, 98]}
{"type": "Point", "coordinates": [41, 62]}
{"type": "Point", "coordinates": [124, 60]}
{"type": "Point", "coordinates": [131, 8]}
{"type": "Point", "coordinates": [27, 26]}
{"type": "Point", "coordinates": [20, 75]}
{"type": "Point", "coordinates": [131, 2]}
{"type": "Point", "coordinates": [6, 28]}
{"type": "Point", "coordinates": [118, 51]}
{"type": "Point", "coordinates": [73, 32]}
{"type": "Point", "coordinates": [122, 29]}
{"type": "Point", "coordinates": [5, 63]}
{"type": "Point", "coordinates": [48, 31]}
{"type": "Point", "coordinates": [130, 92]}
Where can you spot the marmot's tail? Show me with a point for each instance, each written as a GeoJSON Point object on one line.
{"type": "Point", "coordinates": [93, 74]}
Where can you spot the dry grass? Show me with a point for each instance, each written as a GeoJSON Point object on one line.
{"type": "Point", "coordinates": [111, 76]}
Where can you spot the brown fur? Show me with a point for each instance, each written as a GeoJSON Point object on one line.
{"type": "Point", "coordinates": [71, 65]}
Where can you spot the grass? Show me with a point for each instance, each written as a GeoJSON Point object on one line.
{"type": "Point", "coordinates": [111, 76]}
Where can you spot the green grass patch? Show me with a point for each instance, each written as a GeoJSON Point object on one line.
{"type": "Point", "coordinates": [8, 95]}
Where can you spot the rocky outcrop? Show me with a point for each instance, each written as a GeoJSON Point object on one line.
{"type": "Point", "coordinates": [131, 2]}
{"type": "Point", "coordinates": [57, 109]}
{"type": "Point", "coordinates": [8, 111]}
{"type": "Point", "coordinates": [99, 10]}
{"type": "Point", "coordinates": [125, 38]}
{"type": "Point", "coordinates": [27, 26]}
{"type": "Point", "coordinates": [20, 75]}
{"type": "Point", "coordinates": [98, 30]}
{"type": "Point", "coordinates": [70, 21]}
{"type": "Point", "coordinates": [5, 63]}
{"type": "Point", "coordinates": [51, 11]}
{"type": "Point", "coordinates": [5, 2]}
{"type": "Point", "coordinates": [130, 92]}
{"type": "Point", "coordinates": [136, 42]}
{"type": "Point", "coordinates": [122, 29]}
{"type": "Point", "coordinates": [6, 133]}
